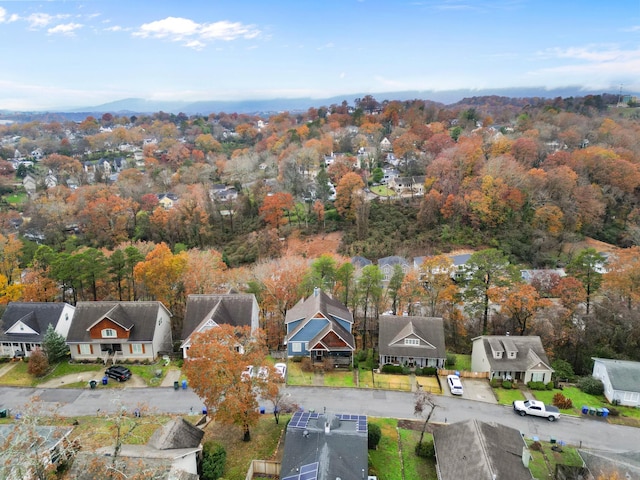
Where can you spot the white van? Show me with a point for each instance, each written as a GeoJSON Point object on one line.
{"type": "Point", "coordinates": [455, 385]}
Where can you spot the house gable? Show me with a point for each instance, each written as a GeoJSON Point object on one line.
{"type": "Point", "coordinates": [102, 330]}
{"type": "Point", "coordinates": [21, 328]}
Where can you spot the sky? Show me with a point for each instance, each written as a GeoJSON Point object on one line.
{"type": "Point", "coordinates": [72, 53]}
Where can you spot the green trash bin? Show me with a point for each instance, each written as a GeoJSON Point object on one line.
{"type": "Point", "coordinates": [3, 413]}
{"type": "Point", "coordinates": [93, 384]}
{"type": "Point", "coordinates": [176, 385]}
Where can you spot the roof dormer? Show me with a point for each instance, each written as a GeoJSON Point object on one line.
{"type": "Point", "coordinates": [497, 349]}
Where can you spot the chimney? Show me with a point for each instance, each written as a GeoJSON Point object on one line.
{"type": "Point", "coordinates": [526, 457]}
{"type": "Point", "coordinates": [327, 428]}
{"type": "Point", "coordinates": [316, 291]}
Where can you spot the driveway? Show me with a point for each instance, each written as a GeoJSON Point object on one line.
{"type": "Point", "coordinates": [475, 389]}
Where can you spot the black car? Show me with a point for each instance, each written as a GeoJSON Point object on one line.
{"type": "Point", "coordinates": [118, 372]}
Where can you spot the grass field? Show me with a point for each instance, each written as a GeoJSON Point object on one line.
{"type": "Point", "coordinates": [463, 362]}
{"type": "Point", "coordinates": [507, 397]}
{"type": "Point", "coordinates": [577, 396]}
{"type": "Point", "coordinates": [544, 461]}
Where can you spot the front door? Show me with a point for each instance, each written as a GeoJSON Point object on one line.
{"type": "Point", "coordinates": [317, 355]}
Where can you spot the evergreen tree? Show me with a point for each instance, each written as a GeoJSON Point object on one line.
{"type": "Point", "coordinates": [54, 345]}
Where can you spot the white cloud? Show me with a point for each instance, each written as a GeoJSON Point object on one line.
{"type": "Point", "coordinates": [41, 20]}
{"type": "Point", "coordinates": [228, 31]}
{"type": "Point", "coordinates": [178, 29]}
{"type": "Point", "coordinates": [174, 27]}
{"type": "Point", "coordinates": [115, 28]}
{"type": "Point", "coordinates": [3, 15]}
{"type": "Point", "coordinates": [65, 29]}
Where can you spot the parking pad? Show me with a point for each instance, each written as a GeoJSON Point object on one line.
{"type": "Point", "coordinates": [57, 395]}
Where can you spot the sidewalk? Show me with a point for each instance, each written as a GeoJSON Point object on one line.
{"type": "Point", "coordinates": [171, 377]}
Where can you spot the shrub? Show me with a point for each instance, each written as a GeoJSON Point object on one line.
{"type": "Point", "coordinates": [549, 386]}
{"type": "Point", "coordinates": [451, 360]}
{"type": "Point", "coordinates": [563, 370]}
{"type": "Point", "coordinates": [495, 382]}
{"type": "Point", "coordinates": [425, 449]}
{"type": "Point", "coordinates": [374, 434]}
{"type": "Point", "coordinates": [506, 384]}
{"type": "Point", "coordinates": [427, 371]}
{"type": "Point", "coordinates": [591, 385]}
{"type": "Point", "coordinates": [537, 385]}
{"type": "Point", "coordinates": [560, 401]}
{"type": "Point", "coordinates": [38, 363]}
{"type": "Point", "coordinates": [306, 365]}
{"type": "Point", "coordinates": [213, 461]}
{"type": "Point", "coordinates": [388, 368]}
{"type": "Point", "coordinates": [405, 370]}
{"type": "Point", "coordinates": [614, 412]}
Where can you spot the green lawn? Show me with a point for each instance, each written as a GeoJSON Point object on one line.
{"type": "Point", "coordinates": [577, 396]}
{"type": "Point", "coordinates": [16, 198]}
{"type": "Point", "coordinates": [463, 362]}
{"type": "Point", "coordinates": [544, 461]}
{"type": "Point", "coordinates": [395, 453]}
{"type": "Point", "coordinates": [383, 191]}
{"type": "Point", "coordinates": [507, 397]}
{"type": "Point", "coordinates": [339, 379]}
{"type": "Point", "coordinates": [295, 375]}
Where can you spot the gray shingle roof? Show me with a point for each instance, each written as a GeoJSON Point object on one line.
{"type": "Point", "coordinates": [140, 316]}
{"type": "Point", "coordinates": [474, 450]}
{"type": "Point", "coordinates": [530, 353]}
{"type": "Point", "coordinates": [627, 464]}
{"type": "Point", "coordinates": [320, 302]}
{"type": "Point", "coordinates": [340, 454]}
{"type": "Point", "coordinates": [231, 309]}
{"type": "Point", "coordinates": [624, 375]}
{"type": "Point", "coordinates": [327, 306]}
{"type": "Point", "coordinates": [35, 315]}
{"type": "Point", "coordinates": [394, 329]}
{"type": "Point", "coordinates": [178, 433]}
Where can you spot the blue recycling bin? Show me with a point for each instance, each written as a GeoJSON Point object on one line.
{"type": "Point", "coordinates": [105, 380]}
{"type": "Point", "coordinates": [585, 410]}
{"type": "Point", "coordinates": [204, 410]}
{"type": "Point", "coordinates": [605, 412]}
{"type": "Point", "coordinates": [262, 410]}
{"type": "Point", "coordinates": [184, 384]}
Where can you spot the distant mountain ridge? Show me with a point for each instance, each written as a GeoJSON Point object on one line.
{"type": "Point", "coordinates": [131, 106]}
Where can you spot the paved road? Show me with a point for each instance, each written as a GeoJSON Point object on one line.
{"type": "Point", "coordinates": [588, 432]}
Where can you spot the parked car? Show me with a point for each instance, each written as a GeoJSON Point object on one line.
{"type": "Point", "coordinates": [263, 373]}
{"type": "Point", "coordinates": [455, 385]}
{"type": "Point", "coordinates": [248, 372]}
{"type": "Point", "coordinates": [118, 372]}
{"type": "Point", "coordinates": [281, 369]}
{"type": "Point", "coordinates": [536, 408]}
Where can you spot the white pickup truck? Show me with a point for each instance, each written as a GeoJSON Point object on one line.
{"type": "Point", "coordinates": [537, 409]}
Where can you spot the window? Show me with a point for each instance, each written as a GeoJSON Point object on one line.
{"type": "Point", "coordinates": [85, 349]}
{"type": "Point", "coordinates": [411, 341]}
{"type": "Point", "coordinates": [630, 396]}
{"type": "Point", "coordinates": [537, 377]}
{"type": "Point", "coordinates": [296, 346]}
{"type": "Point", "coordinates": [109, 333]}
{"type": "Point", "coordinates": [136, 348]}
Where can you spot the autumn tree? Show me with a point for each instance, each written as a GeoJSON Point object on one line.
{"type": "Point", "coordinates": [215, 370]}
{"type": "Point", "coordinates": [369, 285]}
{"type": "Point", "coordinates": [10, 256]}
{"type": "Point", "coordinates": [393, 287]}
{"type": "Point", "coordinates": [521, 302]}
{"type": "Point", "coordinates": [623, 276]}
{"type": "Point", "coordinates": [274, 207]}
{"type": "Point", "coordinates": [204, 272]}
{"type": "Point", "coordinates": [435, 275]}
{"type": "Point", "coordinates": [349, 195]}
{"type": "Point", "coordinates": [161, 274]}
{"type": "Point", "coordinates": [485, 270]}
{"type": "Point", "coordinates": [587, 266]}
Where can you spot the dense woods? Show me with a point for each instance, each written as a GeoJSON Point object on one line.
{"type": "Point", "coordinates": [161, 206]}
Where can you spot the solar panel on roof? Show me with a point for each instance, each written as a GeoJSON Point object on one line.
{"type": "Point", "coordinates": [311, 467]}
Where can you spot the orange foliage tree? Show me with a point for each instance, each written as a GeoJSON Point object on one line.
{"type": "Point", "coordinates": [274, 207]}
{"type": "Point", "coordinates": [205, 272]}
{"type": "Point", "coordinates": [521, 301]}
{"type": "Point", "coordinates": [348, 195]}
{"type": "Point", "coordinates": [623, 276]}
{"type": "Point", "coordinates": [215, 370]}
{"type": "Point", "coordinates": [161, 274]}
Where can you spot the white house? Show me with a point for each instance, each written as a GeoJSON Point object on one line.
{"type": "Point", "coordinates": [621, 379]}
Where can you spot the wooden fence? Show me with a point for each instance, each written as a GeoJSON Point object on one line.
{"type": "Point", "coordinates": [267, 468]}
{"type": "Point", "coordinates": [463, 373]}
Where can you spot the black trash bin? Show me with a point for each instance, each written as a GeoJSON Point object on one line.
{"type": "Point", "coordinates": [93, 384]}
{"type": "Point", "coordinates": [3, 413]}
{"type": "Point", "coordinates": [176, 385]}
